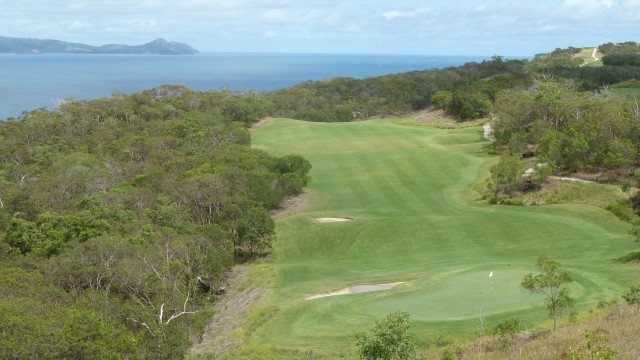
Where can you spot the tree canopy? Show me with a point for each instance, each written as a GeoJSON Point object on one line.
{"type": "Point", "coordinates": [550, 284]}
{"type": "Point", "coordinates": [120, 215]}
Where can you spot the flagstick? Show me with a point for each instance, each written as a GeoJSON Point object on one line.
{"type": "Point", "coordinates": [491, 277]}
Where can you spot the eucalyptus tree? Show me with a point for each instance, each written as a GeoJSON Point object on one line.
{"type": "Point", "coordinates": [550, 283]}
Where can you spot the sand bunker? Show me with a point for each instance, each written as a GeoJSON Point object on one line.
{"type": "Point", "coordinates": [332, 219]}
{"type": "Point", "coordinates": [356, 289]}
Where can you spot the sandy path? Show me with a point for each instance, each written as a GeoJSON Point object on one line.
{"type": "Point", "coordinates": [562, 178]}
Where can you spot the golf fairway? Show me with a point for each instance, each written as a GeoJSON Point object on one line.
{"type": "Point", "coordinates": [417, 220]}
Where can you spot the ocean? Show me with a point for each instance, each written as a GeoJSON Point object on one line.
{"type": "Point", "coordinates": [29, 82]}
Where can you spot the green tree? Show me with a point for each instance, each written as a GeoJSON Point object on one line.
{"type": "Point", "coordinates": [87, 335]}
{"type": "Point", "coordinates": [506, 175]}
{"type": "Point", "coordinates": [471, 104]}
{"type": "Point", "coordinates": [442, 99]}
{"type": "Point", "coordinates": [389, 340]}
{"type": "Point", "coordinates": [550, 284]}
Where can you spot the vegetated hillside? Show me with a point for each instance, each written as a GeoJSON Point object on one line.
{"type": "Point", "coordinates": [119, 217]}
{"type": "Point", "coordinates": [41, 46]}
{"type": "Point", "coordinates": [467, 91]}
{"type": "Point", "coordinates": [473, 87]}
{"type": "Point", "coordinates": [554, 127]}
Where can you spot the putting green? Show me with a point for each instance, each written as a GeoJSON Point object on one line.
{"type": "Point", "coordinates": [416, 219]}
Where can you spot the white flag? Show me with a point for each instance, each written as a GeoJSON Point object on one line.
{"type": "Point", "coordinates": [491, 274]}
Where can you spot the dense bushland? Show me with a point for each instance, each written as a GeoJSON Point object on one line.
{"type": "Point", "coordinates": [472, 88]}
{"type": "Point", "coordinates": [119, 217]}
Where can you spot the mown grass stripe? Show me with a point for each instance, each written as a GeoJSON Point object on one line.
{"type": "Point", "coordinates": [417, 220]}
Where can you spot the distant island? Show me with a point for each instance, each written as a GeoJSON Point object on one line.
{"type": "Point", "coordinates": [42, 46]}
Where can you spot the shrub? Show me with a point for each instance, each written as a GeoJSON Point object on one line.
{"type": "Point", "coordinates": [390, 339]}
{"type": "Point", "coordinates": [622, 210]}
{"type": "Point", "coordinates": [594, 347]}
{"type": "Point", "coordinates": [633, 296]}
{"type": "Point", "coordinates": [507, 331]}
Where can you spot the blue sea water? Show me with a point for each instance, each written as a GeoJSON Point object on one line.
{"type": "Point", "coordinates": [28, 82]}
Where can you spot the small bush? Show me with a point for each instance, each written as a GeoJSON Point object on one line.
{"type": "Point", "coordinates": [594, 347]}
{"type": "Point", "coordinates": [389, 340]}
{"type": "Point", "coordinates": [635, 203]}
{"type": "Point", "coordinates": [507, 331]}
{"type": "Point", "coordinates": [453, 353]}
{"type": "Point", "coordinates": [605, 304]}
{"type": "Point", "coordinates": [622, 210]}
{"type": "Point", "coordinates": [634, 256]}
{"type": "Point", "coordinates": [633, 296]}
{"type": "Point", "coordinates": [512, 202]}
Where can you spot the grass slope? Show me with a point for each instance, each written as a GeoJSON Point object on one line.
{"type": "Point", "coordinates": [629, 88]}
{"type": "Point", "coordinates": [418, 221]}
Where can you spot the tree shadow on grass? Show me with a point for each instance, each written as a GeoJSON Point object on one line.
{"type": "Point", "coordinates": [630, 257]}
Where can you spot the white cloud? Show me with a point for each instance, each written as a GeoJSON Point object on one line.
{"type": "Point", "coordinates": [469, 26]}
{"type": "Point", "coordinates": [76, 6]}
{"type": "Point", "coordinates": [588, 7]}
{"type": "Point", "coordinates": [78, 25]}
{"type": "Point", "coordinates": [353, 28]}
{"type": "Point", "coordinates": [394, 14]}
{"type": "Point", "coordinates": [332, 20]}
{"type": "Point", "coordinates": [133, 26]}
{"type": "Point", "coordinates": [274, 15]}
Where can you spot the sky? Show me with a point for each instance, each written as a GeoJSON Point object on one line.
{"type": "Point", "coordinates": [465, 27]}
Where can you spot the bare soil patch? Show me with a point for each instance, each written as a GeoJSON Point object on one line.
{"type": "Point", "coordinates": [260, 123]}
{"type": "Point", "coordinates": [216, 338]}
{"type": "Point", "coordinates": [432, 117]}
{"type": "Point", "coordinates": [440, 119]}
{"type": "Point", "coordinates": [356, 289]}
{"type": "Point", "coordinates": [292, 205]}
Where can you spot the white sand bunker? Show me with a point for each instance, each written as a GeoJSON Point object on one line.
{"type": "Point", "coordinates": [356, 289]}
{"type": "Point", "coordinates": [332, 219]}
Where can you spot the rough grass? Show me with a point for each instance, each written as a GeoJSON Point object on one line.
{"type": "Point", "coordinates": [630, 88]}
{"type": "Point", "coordinates": [573, 192]}
{"type": "Point", "coordinates": [618, 323]}
{"type": "Point", "coordinates": [417, 220]}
